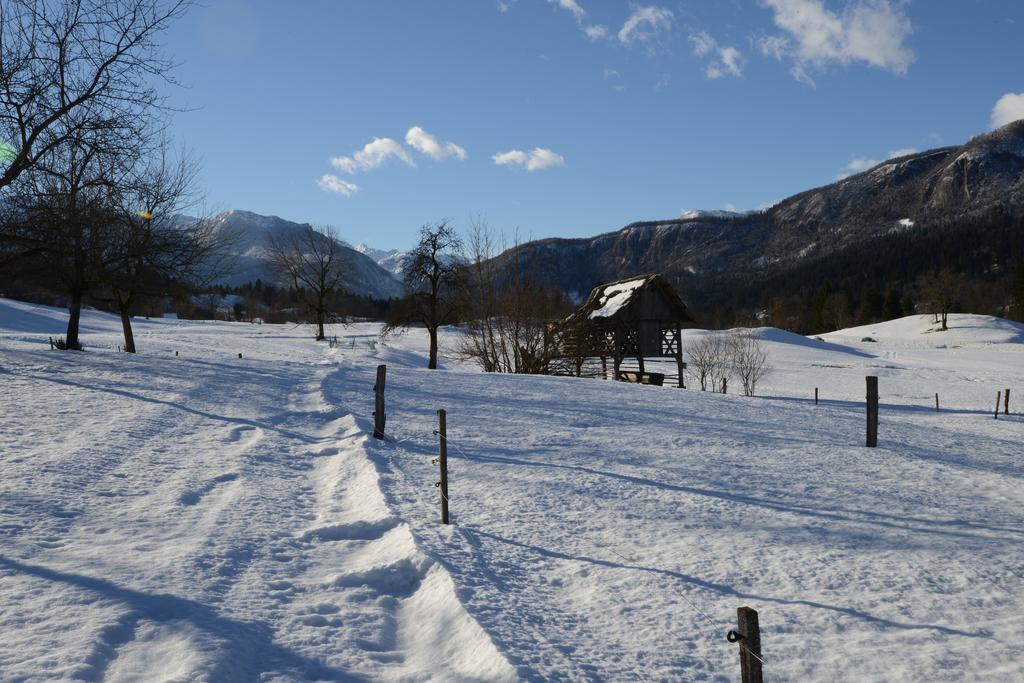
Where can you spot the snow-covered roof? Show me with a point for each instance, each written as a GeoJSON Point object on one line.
{"type": "Point", "coordinates": [611, 300]}
{"type": "Point", "coordinates": [615, 296]}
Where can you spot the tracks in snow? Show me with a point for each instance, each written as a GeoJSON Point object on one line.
{"type": "Point", "coordinates": [214, 521]}
{"type": "Point", "coordinates": [362, 583]}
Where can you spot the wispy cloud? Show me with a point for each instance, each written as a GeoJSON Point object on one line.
{"type": "Point", "coordinates": [1008, 109]}
{"type": "Point", "coordinates": [428, 145]}
{"type": "Point", "coordinates": [372, 155]}
{"type": "Point", "coordinates": [572, 6]}
{"type": "Point", "coordinates": [868, 31]}
{"type": "Point", "coordinates": [332, 183]}
{"type": "Point", "coordinates": [536, 159]}
{"type": "Point", "coordinates": [591, 31]}
{"type": "Point", "coordinates": [861, 164]}
{"type": "Point", "coordinates": [725, 61]}
{"type": "Point", "coordinates": [645, 24]}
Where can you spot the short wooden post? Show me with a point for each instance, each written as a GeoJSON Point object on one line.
{"type": "Point", "coordinates": [680, 365]}
{"type": "Point", "coordinates": [815, 395]}
{"type": "Point", "coordinates": [999, 396]}
{"type": "Point", "coordinates": [239, 355]}
{"type": "Point", "coordinates": [379, 416]}
{"type": "Point", "coordinates": [936, 403]}
{"type": "Point", "coordinates": [1006, 402]}
{"type": "Point", "coordinates": [175, 354]}
{"type": "Point", "coordinates": [442, 459]}
{"type": "Point", "coordinates": [748, 634]}
{"type": "Point", "coordinates": [725, 386]}
{"type": "Point", "coordinates": [872, 404]}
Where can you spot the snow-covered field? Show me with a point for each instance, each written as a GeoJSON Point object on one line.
{"type": "Point", "coordinates": [205, 517]}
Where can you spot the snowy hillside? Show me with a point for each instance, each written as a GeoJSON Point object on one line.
{"type": "Point", "coordinates": [202, 516]}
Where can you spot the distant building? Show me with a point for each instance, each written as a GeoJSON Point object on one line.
{"type": "Point", "coordinates": [624, 321]}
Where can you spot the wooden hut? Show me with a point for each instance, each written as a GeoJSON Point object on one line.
{"type": "Point", "coordinates": [625, 321]}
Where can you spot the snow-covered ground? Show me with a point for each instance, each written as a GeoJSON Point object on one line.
{"type": "Point", "coordinates": [205, 517]}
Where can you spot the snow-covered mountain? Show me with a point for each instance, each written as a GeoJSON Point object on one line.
{"type": "Point", "coordinates": [390, 260]}
{"type": "Point", "coordinates": [366, 277]}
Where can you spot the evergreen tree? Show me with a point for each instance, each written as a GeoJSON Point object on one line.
{"type": "Point", "coordinates": [892, 308]}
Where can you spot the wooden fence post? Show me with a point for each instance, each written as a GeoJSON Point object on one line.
{"type": "Point", "coordinates": [748, 634]}
{"type": "Point", "coordinates": [936, 403]}
{"type": "Point", "coordinates": [379, 415]}
{"type": "Point", "coordinates": [1006, 402]}
{"type": "Point", "coordinates": [815, 395]}
{"type": "Point", "coordinates": [999, 397]}
{"type": "Point", "coordinates": [872, 404]}
{"type": "Point", "coordinates": [442, 459]}
{"type": "Point", "coordinates": [239, 355]}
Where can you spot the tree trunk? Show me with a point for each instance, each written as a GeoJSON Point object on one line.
{"type": "Point", "coordinates": [126, 325]}
{"type": "Point", "coordinates": [320, 336]}
{"type": "Point", "coordinates": [944, 316]}
{"type": "Point", "coordinates": [75, 311]}
{"type": "Point", "coordinates": [432, 364]}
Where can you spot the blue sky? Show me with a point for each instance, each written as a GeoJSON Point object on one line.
{"type": "Point", "coordinates": [573, 117]}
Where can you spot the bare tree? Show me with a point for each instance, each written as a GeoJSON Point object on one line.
{"type": "Point", "coordinates": [506, 307]}
{"type": "Point", "coordinates": [151, 249]}
{"type": "Point", "coordinates": [314, 261]}
{"type": "Point", "coordinates": [71, 66]}
{"type": "Point", "coordinates": [64, 210]}
{"type": "Point", "coordinates": [431, 271]}
{"type": "Point", "coordinates": [748, 359]}
{"type": "Point", "coordinates": [708, 358]}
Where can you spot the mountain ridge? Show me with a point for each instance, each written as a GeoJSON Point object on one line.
{"type": "Point", "coordinates": [713, 257]}
{"type": "Point", "coordinates": [251, 250]}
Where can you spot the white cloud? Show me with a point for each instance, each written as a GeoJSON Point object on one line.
{"type": "Point", "coordinates": [869, 31]}
{"type": "Point", "coordinates": [775, 47]}
{"type": "Point", "coordinates": [572, 6]}
{"type": "Point", "coordinates": [861, 164]}
{"type": "Point", "coordinates": [645, 23]}
{"type": "Point", "coordinates": [425, 143]}
{"type": "Point", "coordinates": [858, 165]}
{"type": "Point", "coordinates": [372, 155]}
{"type": "Point", "coordinates": [537, 159]}
{"type": "Point", "coordinates": [703, 43]}
{"type": "Point", "coordinates": [902, 152]}
{"type": "Point", "coordinates": [591, 31]}
{"type": "Point", "coordinates": [514, 157]}
{"type": "Point", "coordinates": [332, 183]}
{"type": "Point", "coordinates": [1008, 109]}
{"type": "Point", "coordinates": [727, 61]}
{"type": "Point", "coordinates": [611, 73]}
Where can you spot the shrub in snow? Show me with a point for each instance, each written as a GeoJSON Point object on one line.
{"type": "Point", "coordinates": [708, 359]}
{"type": "Point", "coordinates": [748, 359]}
{"type": "Point", "coordinates": [61, 344]}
